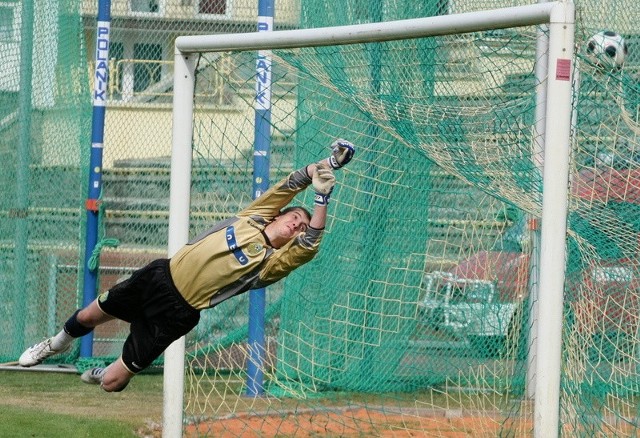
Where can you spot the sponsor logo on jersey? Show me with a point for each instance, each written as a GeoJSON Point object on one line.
{"type": "Point", "coordinates": [254, 248]}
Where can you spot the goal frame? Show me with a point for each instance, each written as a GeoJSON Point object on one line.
{"type": "Point", "coordinates": [553, 101]}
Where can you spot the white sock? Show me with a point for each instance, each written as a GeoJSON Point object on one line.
{"type": "Point", "coordinates": [61, 340]}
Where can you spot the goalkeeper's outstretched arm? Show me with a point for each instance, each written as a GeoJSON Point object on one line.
{"type": "Point", "coordinates": [323, 180]}
{"type": "Point", "coordinates": [269, 204]}
{"type": "Point", "coordinates": [299, 242]}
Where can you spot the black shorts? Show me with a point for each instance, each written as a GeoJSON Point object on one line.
{"type": "Point", "coordinates": [157, 312]}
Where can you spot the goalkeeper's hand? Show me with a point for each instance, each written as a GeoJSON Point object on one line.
{"type": "Point", "coordinates": [341, 153]}
{"type": "Point", "coordinates": [323, 181]}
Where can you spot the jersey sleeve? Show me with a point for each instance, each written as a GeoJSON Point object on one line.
{"type": "Point", "coordinates": [291, 256]}
{"type": "Point", "coordinates": [269, 204]}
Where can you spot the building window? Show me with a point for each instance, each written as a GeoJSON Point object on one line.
{"type": "Point", "coordinates": [147, 70]}
{"type": "Point", "coordinates": [7, 23]}
{"type": "Point", "coordinates": [212, 7]}
{"type": "Point", "coordinates": [116, 54]}
{"type": "Point", "coordinates": [149, 6]}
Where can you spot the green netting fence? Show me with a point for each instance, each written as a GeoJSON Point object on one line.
{"type": "Point", "coordinates": [45, 122]}
{"type": "Point", "coordinates": [416, 314]}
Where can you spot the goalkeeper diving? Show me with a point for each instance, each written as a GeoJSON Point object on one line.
{"type": "Point", "coordinates": [162, 301]}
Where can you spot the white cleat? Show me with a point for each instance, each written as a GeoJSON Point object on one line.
{"type": "Point", "coordinates": [93, 376]}
{"type": "Point", "coordinates": [38, 353]}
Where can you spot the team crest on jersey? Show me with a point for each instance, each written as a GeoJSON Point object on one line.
{"type": "Point", "coordinates": [254, 248]}
{"type": "Point", "coordinates": [103, 297]}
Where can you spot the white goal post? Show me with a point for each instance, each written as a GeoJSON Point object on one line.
{"type": "Point", "coordinates": [555, 104]}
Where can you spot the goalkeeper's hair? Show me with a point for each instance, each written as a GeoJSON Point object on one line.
{"type": "Point", "coordinates": [298, 208]}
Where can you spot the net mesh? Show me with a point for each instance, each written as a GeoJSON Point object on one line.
{"type": "Point", "coordinates": [415, 316]}
{"type": "Point", "coordinates": [45, 119]}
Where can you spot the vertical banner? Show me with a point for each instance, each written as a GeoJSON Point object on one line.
{"type": "Point", "coordinates": [100, 79]}
{"type": "Point", "coordinates": [261, 151]}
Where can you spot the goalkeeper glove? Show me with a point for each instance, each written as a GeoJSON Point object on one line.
{"type": "Point", "coordinates": [323, 181]}
{"type": "Point", "coordinates": [341, 153]}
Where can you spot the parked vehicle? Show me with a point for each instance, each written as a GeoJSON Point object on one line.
{"type": "Point", "coordinates": [480, 300]}
{"type": "Point", "coordinates": [605, 309]}
{"type": "Point", "coordinates": [483, 298]}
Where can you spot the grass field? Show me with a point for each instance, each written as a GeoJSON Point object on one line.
{"type": "Point", "coordinates": [56, 405]}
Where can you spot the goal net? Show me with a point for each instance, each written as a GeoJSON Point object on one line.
{"type": "Point", "coordinates": [416, 316]}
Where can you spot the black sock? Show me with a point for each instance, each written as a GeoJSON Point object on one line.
{"type": "Point", "coordinates": [74, 328]}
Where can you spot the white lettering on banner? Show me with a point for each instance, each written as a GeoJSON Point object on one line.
{"type": "Point", "coordinates": [263, 80]}
{"type": "Point", "coordinates": [263, 69]}
{"type": "Point", "coordinates": [102, 65]}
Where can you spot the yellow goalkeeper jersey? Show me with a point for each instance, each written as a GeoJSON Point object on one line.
{"type": "Point", "coordinates": [235, 256]}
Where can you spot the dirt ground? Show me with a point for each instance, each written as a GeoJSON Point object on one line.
{"type": "Point", "coordinates": [357, 423]}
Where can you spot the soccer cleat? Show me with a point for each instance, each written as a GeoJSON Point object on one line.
{"type": "Point", "coordinates": [36, 354]}
{"type": "Point", "coordinates": [93, 376]}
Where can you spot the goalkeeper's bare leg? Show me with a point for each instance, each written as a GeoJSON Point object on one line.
{"type": "Point", "coordinates": [79, 324]}
{"type": "Point", "coordinates": [113, 378]}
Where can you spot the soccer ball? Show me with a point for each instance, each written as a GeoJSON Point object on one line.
{"type": "Point", "coordinates": [607, 49]}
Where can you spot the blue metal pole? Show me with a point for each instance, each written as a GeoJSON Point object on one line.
{"type": "Point", "coordinates": [262, 145]}
{"type": "Point", "coordinates": [100, 77]}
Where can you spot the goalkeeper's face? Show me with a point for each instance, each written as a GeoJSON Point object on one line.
{"type": "Point", "coordinates": [286, 226]}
